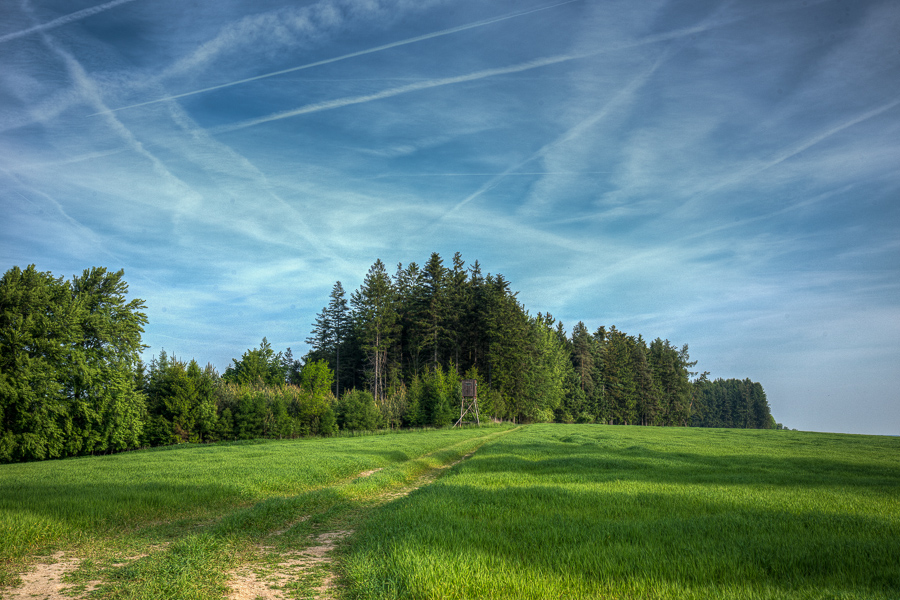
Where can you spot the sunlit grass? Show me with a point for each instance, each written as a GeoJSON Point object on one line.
{"type": "Point", "coordinates": [203, 504]}
{"type": "Point", "coordinates": [625, 512]}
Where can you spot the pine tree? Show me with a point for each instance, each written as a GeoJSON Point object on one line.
{"type": "Point", "coordinates": [330, 332]}
{"type": "Point", "coordinates": [376, 318]}
{"type": "Point", "coordinates": [583, 350]}
{"type": "Point", "coordinates": [339, 319]}
{"type": "Point", "coordinates": [432, 322]}
{"type": "Point", "coordinates": [408, 284]}
{"type": "Point", "coordinates": [458, 306]}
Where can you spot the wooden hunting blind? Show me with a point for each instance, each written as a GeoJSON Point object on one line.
{"type": "Point", "coordinates": [469, 402]}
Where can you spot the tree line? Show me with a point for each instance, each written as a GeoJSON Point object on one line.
{"type": "Point", "coordinates": [402, 335]}
{"type": "Point", "coordinates": [391, 355]}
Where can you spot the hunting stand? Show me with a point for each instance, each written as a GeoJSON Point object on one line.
{"type": "Point", "coordinates": [469, 402]}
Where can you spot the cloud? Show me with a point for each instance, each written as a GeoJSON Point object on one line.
{"type": "Point", "coordinates": [319, 63]}
{"type": "Point", "coordinates": [752, 168]}
{"type": "Point", "coordinates": [293, 27]}
{"type": "Point", "coordinates": [413, 87]}
{"type": "Point", "coordinates": [186, 197]}
{"type": "Point", "coordinates": [65, 20]}
{"type": "Point", "coordinates": [619, 98]}
{"type": "Point", "coordinates": [657, 177]}
{"type": "Point", "coordinates": [69, 233]}
{"type": "Point", "coordinates": [485, 73]}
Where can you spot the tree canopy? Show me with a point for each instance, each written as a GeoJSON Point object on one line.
{"type": "Point", "coordinates": [71, 380]}
{"type": "Point", "coordinates": [403, 333]}
{"type": "Point", "coordinates": [68, 352]}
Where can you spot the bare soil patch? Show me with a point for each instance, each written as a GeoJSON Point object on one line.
{"type": "Point", "coordinates": [268, 581]}
{"type": "Point", "coordinates": [45, 581]}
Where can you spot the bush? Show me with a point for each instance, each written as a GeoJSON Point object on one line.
{"type": "Point", "coordinates": [357, 410]}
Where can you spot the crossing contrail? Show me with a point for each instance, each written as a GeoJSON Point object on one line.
{"type": "Point", "coordinates": [319, 63]}
{"type": "Point", "coordinates": [405, 89]}
{"type": "Point", "coordinates": [431, 83]}
{"type": "Point", "coordinates": [75, 16]}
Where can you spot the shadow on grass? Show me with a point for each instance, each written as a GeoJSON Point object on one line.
{"type": "Point", "coordinates": [591, 462]}
{"type": "Point", "coordinates": [621, 516]}
{"type": "Point", "coordinates": [682, 541]}
{"type": "Point", "coordinates": [88, 505]}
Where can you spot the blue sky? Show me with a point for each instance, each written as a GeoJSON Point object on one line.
{"type": "Point", "coordinates": [724, 174]}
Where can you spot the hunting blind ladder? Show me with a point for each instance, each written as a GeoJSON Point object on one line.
{"type": "Point", "coordinates": [469, 402]}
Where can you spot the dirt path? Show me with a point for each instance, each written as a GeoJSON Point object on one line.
{"type": "Point", "coordinates": [45, 581]}
{"type": "Point", "coordinates": [268, 581]}
{"type": "Point", "coordinates": [272, 576]}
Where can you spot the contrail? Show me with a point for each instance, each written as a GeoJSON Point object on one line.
{"type": "Point", "coordinates": [785, 154]}
{"type": "Point", "coordinates": [340, 102]}
{"type": "Point", "coordinates": [806, 144]}
{"type": "Point", "coordinates": [476, 174]}
{"type": "Point", "coordinates": [75, 16]}
{"type": "Point", "coordinates": [572, 133]}
{"type": "Point", "coordinates": [405, 89]}
{"type": "Point", "coordinates": [319, 63]}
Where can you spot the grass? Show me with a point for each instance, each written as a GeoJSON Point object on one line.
{"type": "Point", "coordinates": [192, 513]}
{"type": "Point", "coordinates": [542, 511]}
{"type": "Point", "coordinates": [588, 511]}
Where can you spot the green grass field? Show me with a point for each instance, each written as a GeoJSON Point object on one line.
{"type": "Point", "coordinates": [587, 511]}
{"type": "Point", "coordinates": [542, 511]}
{"type": "Point", "coordinates": [207, 506]}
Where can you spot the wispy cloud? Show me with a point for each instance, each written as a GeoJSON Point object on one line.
{"type": "Point", "coordinates": [620, 97]}
{"type": "Point", "coordinates": [492, 173]}
{"type": "Point", "coordinates": [319, 63]}
{"type": "Point", "coordinates": [406, 89]}
{"type": "Point", "coordinates": [73, 233]}
{"type": "Point", "coordinates": [275, 220]}
{"type": "Point", "coordinates": [292, 27]}
{"type": "Point", "coordinates": [70, 18]}
{"type": "Point", "coordinates": [430, 83]}
{"type": "Point", "coordinates": [753, 168]}
{"type": "Point", "coordinates": [482, 74]}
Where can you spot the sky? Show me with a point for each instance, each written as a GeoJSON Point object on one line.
{"type": "Point", "coordinates": [722, 174]}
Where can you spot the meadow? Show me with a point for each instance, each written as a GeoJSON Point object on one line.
{"type": "Point", "coordinates": [591, 511]}
{"type": "Point", "coordinates": [540, 511]}
{"type": "Point", "coordinates": [192, 513]}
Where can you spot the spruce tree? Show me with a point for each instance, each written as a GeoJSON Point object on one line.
{"type": "Point", "coordinates": [375, 316]}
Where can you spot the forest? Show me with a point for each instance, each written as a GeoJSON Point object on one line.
{"type": "Point", "coordinates": [390, 355]}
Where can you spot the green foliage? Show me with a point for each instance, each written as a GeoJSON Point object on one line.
{"type": "Point", "coordinates": [316, 378]}
{"type": "Point", "coordinates": [254, 411]}
{"type": "Point", "coordinates": [181, 402]}
{"type": "Point", "coordinates": [671, 374]}
{"type": "Point", "coordinates": [188, 404]}
{"type": "Point", "coordinates": [258, 366]}
{"type": "Point", "coordinates": [356, 410]}
{"type": "Point", "coordinates": [731, 403]}
{"type": "Point", "coordinates": [547, 371]}
{"type": "Point", "coordinates": [440, 396]}
{"type": "Point", "coordinates": [395, 404]}
{"type": "Point", "coordinates": [330, 331]}
{"type": "Point", "coordinates": [68, 351]}
{"type": "Point", "coordinates": [375, 323]}
{"type": "Point", "coordinates": [71, 381]}
{"type": "Point", "coordinates": [436, 318]}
